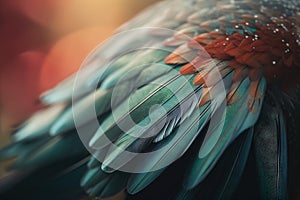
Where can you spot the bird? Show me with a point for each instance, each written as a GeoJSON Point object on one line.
{"type": "Point", "coordinates": [188, 100]}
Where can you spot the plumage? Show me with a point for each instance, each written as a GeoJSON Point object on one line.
{"type": "Point", "coordinates": [183, 102]}
{"type": "Point", "coordinates": [226, 175]}
{"type": "Point", "coordinates": [272, 163]}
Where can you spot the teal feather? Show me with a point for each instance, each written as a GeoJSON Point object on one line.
{"type": "Point", "coordinates": [97, 103]}
{"type": "Point", "coordinates": [109, 186]}
{"type": "Point", "coordinates": [172, 114]}
{"type": "Point", "coordinates": [100, 100]}
{"type": "Point", "coordinates": [117, 63]}
{"type": "Point", "coordinates": [178, 144]}
{"type": "Point", "coordinates": [22, 149]}
{"type": "Point", "coordinates": [93, 162]}
{"type": "Point", "coordinates": [232, 166]}
{"type": "Point", "coordinates": [39, 124]}
{"type": "Point", "coordinates": [53, 149]}
{"type": "Point", "coordinates": [227, 173]}
{"type": "Point", "coordinates": [63, 93]}
{"type": "Point", "coordinates": [138, 182]}
{"type": "Point", "coordinates": [236, 171]}
{"type": "Point", "coordinates": [138, 106]}
{"type": "Point", "coordinates": [270, 144]}
{"type": "Point", "coordinates": [133, 68]}
{"type": "Point", "coordinates": [223, 134]}
{"type": "Point", "coordinates": [93, 177]}
{"type": "Point", "coordinates": [101, 184]}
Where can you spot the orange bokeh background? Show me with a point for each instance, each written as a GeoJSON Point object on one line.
{"type": "Point", "coordinates": [42, 42]}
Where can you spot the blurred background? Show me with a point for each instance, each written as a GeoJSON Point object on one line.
{"type": "Point", "coordinates": [42, 42]}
